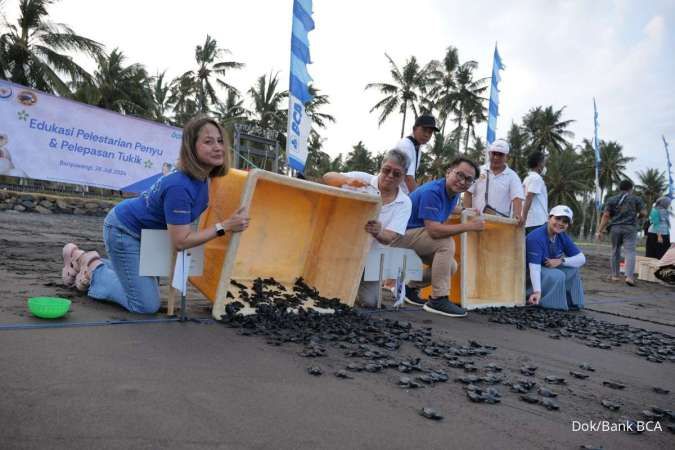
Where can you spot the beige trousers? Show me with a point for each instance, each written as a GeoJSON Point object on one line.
{"type": "Point", "coordinates": [437, 254]}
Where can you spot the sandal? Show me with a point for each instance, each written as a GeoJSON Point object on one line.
{"type": "Point", "coordinates": [630, 283]}
{"type": "Point", "coordinates": [88, 262]}
{"type": "Point", "coordinates": [71, 266]}
{"type": "Point", "coordinates": [612, 278]}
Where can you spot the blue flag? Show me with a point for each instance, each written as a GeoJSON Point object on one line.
{"type": "Point", "coordinates": [299, 124]}
{"type": "Point", "coordinates": [596, 148]}
{"type": "Point", "coordinates": [671, 185]}
{"type": "Point", "coordinates": [493, 108]}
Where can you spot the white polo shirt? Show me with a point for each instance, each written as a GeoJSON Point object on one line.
{"type": "Point", "coordinates": [407, 147]}
{"type": "Point", "coordinates": [503, 189]}
{"type": "Point", "coordinates": [393, 215]}
{"type": "Point", "coordinates": [538, 213]}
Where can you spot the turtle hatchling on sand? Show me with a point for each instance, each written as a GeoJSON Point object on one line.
{"type": "Point", "coordinates": [430, 413]}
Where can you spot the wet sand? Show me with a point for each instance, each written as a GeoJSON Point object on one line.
{"type": "Point", "coordinates": [191, 385]}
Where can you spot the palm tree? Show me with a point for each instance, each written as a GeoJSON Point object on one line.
{"type": "Point", "coordinates": [312, 107]}
{"type": "Point", "coordinates": [404, 92]}
{"type": "Point", "coordinates": [33, 52]}
{"type": "Point", "coordinates": [269, 108]}
{"type": "Point", "coordinates": [318, 162]}
{"type": "Point", "coordinates": [444, 88]}
{"type": "Point", "coordinates": [208, 68]}
{"type": "Point", "coordinates": [232, 110]}
{"type": "Point", "coordinates": [182, 98]}
{"type": "Point", "coordinates": [116, 87]}
{"type": "Point", "coordinates": [518, 155]}
{"type": "Point", "coordinates": [565, 178]}
{"type": "Point", "coordinates": [438, 158]}
{"type": "Point", "coordinates": [612, 166]}
{"type": "Point", "coordinates": [469, 105]}
{"type": "Point", "coordinates": [160, 98]}
{"type": "Point", "coordinates": [546, 129]}
{"type": "Point", "coordinates": [359, 159]}
{"type": "Point", "coordinates": [652, 185]}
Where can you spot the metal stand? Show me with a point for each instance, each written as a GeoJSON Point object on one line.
{"type": "Point", "coordinates": [379, 283]}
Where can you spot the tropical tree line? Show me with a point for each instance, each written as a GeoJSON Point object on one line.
{"type": "Point", "coordinates": [38, 53]}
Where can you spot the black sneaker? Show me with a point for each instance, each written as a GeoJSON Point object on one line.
{"type": "Point", "coordinates": [443, 306]}
{"type": "Point", "coordinates": [412, 296]}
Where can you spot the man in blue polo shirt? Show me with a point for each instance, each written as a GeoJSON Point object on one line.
{"type": "Point", "coordinates": [431, 238]}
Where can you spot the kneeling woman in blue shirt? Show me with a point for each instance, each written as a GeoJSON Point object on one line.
{"type": "Point", "coordinates": [172, 203]}
{"type": "Point", "coordinates": [554, 262]}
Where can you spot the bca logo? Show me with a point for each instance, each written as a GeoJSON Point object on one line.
{"type": "Point", "coordinates": [297, 117]}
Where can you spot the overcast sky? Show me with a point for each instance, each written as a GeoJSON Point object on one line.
{"type": "Point", "coordinates": [560, 53]}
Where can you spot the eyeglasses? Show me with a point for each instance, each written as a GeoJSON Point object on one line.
{"type": "Point", "coordinates": [465, 179]}
{"type": "Point", "coordinates": [393, 172]}
{"type": "Point", "coordinates": [498, 154]}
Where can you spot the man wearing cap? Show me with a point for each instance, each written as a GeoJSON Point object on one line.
{"type": "Point", "coordinates": [554, 261]}
{"type": "Point", "coordinates": [499, 190]}
{"type": "Point", "coordinates": [424, 128]}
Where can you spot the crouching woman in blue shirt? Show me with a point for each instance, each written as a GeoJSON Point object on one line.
{"type": "Point", "coordinates": [172, 203]}
{"type": "Point", "coordinates": [554, 262]}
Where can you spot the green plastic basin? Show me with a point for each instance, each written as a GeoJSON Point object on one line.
{"type": "Point", "coordinates": [48, 307]}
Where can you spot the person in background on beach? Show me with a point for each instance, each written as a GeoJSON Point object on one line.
{"type": "Point", "coordinates": [431, 238]}
{"type": "Point", "coordinates": [554, 261]}
{"type": "Point", "coordinates": [658, 234]}
{"type": "Point", "coordinates": [535, 211]}
{"type": "Point", "coordinates": [499, 190]}
{"type": "Point", "coordinates": [620, 216]}
{"type": "Point", "coordinates": [424, 128]}
{"type": "Point", "coordinates": [172, 203]}
{"type": "Point", "coordinates": [395, 212]}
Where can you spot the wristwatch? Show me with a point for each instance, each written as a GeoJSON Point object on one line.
{"type": "Point", "coordinates": [220, 231]}
{"type": "Point", "coordinates": [562, 260]}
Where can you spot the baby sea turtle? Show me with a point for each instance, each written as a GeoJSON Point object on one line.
{"type": "Point", "coordinates": [660, 390]}
{"type": "Point", "coordinates": [550, 404]}
{"type": "Point", "coordinates": [470, 368]}
{"type": "Point", "coordinates": [472, 379]}
{"type": "Point", "coordinates": [527, 384]}
{"type": "Point", "coordinates": [425, 379]}
{"type": "Point", "coordinates": [552, 379]}
{"type": "Point", "coordinates": [590, 447]}
{"type": "Point", "coordinates": [343, 374]}
{"type": "Point", "coordinates": [651, 414]}
{"type": "Point", "coordinates": [612, 406]}
{"type": "Point", "coordinates": [373, 368]}
{"type": "Point", "coordinates": [530, 398]}
{"type": "Point", "coordinates": [528, 370]}
{"type": "Point", "coordinates": [354, 367]}
{"type": "Point", "coordinates": [430, 413]}
{"type": "Point", "coordinates": [587, 367]}
{"type": "Point", "coordinates": [438, 376]}
{"type": "Point", "coordinates": [613, 385]}
{"type": "Point", "coordinates": [581, 376]}
{"type": "Point", "coordinates": [493, 367]}
{"type": "Point", "coordinates": [315, 370]}
{"type": "Point", "coordinates": [547, 392]}
{"type": "Point", "coordinates": [515, 387]}
{"type": "Point", "coordinates": [492, 379]}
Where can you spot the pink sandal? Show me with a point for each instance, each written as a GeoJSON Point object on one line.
{"type": "Point", "coordinates": [88, 262]}
{"type": "Point", "coordinates": [71, 266]}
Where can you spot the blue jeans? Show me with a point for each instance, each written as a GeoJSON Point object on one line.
{"type": "Point", "coordinates": [117, 279]}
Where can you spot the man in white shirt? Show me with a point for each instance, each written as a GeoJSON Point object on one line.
{"type": "Point", "coordinates": [424, 128]}
{"type": "Point", "coordinates": [499, 190]}
{"type": "Point", "coordinates": [535, 211]}
{"type": "Point", "coordinates": [394, 214]}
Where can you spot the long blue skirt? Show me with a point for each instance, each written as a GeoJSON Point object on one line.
{"type": "Point", "coordinates": [561, 288]}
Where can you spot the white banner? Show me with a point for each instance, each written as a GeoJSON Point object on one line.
{"type": "Point", "coordinates": [299, 127]}
{"type": "Point", "coordinates": [52, 138]}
